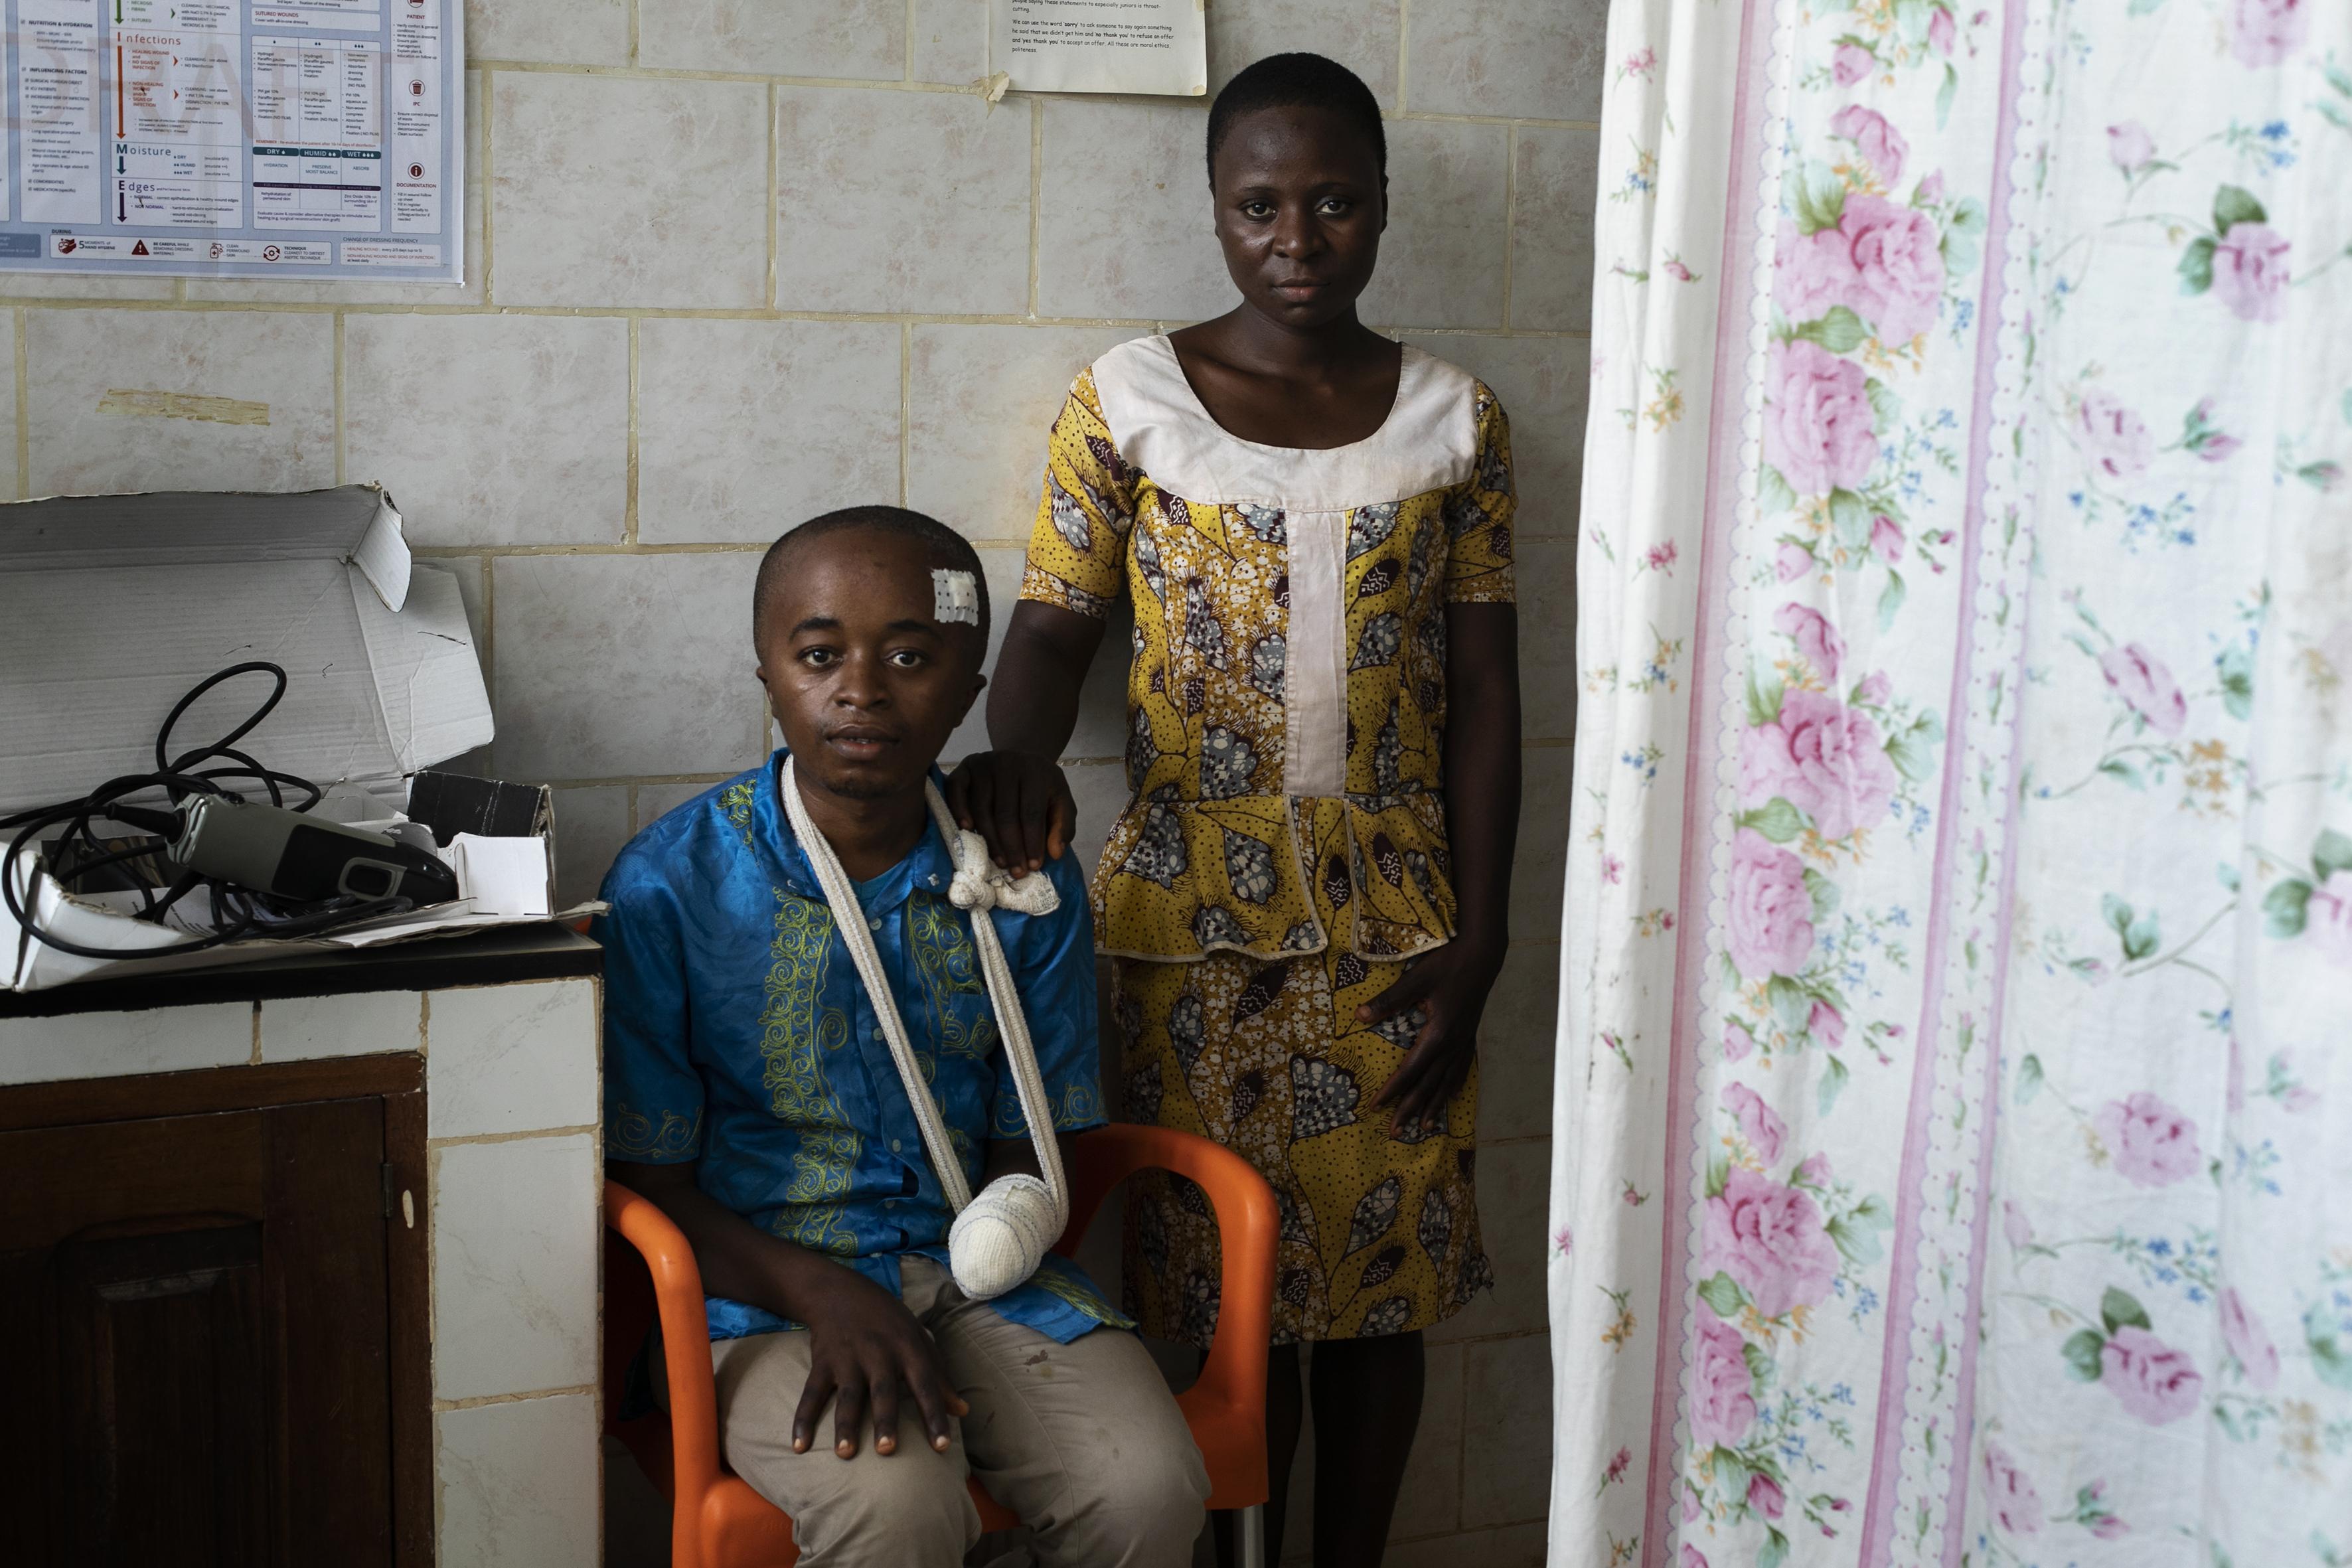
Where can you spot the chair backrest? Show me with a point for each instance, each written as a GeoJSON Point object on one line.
{"type": "Point", "coordinates": [628, 1319]}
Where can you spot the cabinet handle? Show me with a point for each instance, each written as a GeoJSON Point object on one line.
{"type": "Point", "coordinates": [408, 1198]}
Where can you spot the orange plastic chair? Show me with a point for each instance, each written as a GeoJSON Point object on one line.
{"type": "Point", "coordinates": [717, 1520]}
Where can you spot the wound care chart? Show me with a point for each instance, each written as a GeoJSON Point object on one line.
{"type": "Point", "coordinates": [234, 137]}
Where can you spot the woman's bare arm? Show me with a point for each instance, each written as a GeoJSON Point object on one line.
{"type": "Point", "coordinates": [1482, 825]}
{"type": "Point", "coordinates": [1015, 796]}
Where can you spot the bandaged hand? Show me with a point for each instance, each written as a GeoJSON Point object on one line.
{"type": "Point", "coordinates": [1002, 1236]}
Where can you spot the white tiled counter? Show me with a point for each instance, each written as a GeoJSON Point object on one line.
{"type": "Point", "coordinates": [513, 1188]}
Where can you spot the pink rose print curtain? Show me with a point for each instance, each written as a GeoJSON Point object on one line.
{"type": "Point", "coordinates": [1955, 1101]}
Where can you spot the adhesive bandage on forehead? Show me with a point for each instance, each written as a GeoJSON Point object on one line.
{"type": "Point", "coordinates": [955, 596]}
{"type": "Point", "coordinates": [1001, 1232]}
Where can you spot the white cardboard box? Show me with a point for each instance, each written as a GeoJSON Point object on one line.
{"type": "Point", "coordinates": [112, 607]}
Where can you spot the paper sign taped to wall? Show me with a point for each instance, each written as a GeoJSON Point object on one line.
{"type": "Point", "coordinates": [1100, 46]}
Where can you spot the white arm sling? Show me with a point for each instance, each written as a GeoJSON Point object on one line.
{"type": "Point", "coordinates": [1001, 1236]}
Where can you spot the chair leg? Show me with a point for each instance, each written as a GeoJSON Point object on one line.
{"type": "Point", "coordinates": [1249, 1536]}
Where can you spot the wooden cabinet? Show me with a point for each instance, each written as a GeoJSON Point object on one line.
{"type": "Point", "coordinates": [213, 1294]}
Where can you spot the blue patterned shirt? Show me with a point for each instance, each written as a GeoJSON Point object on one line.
{"type": "Point", "coordinates": [738, 1036]}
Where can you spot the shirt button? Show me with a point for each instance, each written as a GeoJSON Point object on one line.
{"type": "Point", "coordinates": [894, 1145]}
{"type": "Point", "coordinates": [873, 925]}
{"type": "Point", "coordinates": [890, 1202]}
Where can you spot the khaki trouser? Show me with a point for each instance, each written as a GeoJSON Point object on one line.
{"type": "Point", "coordinates": [1083, 1441]}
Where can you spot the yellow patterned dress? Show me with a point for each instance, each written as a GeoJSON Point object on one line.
{"type": "Point", "coordinates": [1284, 850]}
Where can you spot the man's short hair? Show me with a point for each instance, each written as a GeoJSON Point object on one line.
{"type": "Point", "coordinates": [1297, 82]}
{"type": "Point", "coordinates": [945, 547]}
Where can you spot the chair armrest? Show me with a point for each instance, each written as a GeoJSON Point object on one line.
{"type": "Point", "coordinates": [1231, 1385]}
{"type": "Point", "coordinates": [686, 1338]}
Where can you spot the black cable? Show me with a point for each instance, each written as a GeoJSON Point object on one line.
{"type": "Point", "coordinates": [239, 912]}
{"type": "Point", "coordinates": [219, 747]}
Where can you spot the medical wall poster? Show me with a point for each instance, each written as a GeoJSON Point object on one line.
{"type": "Point", "coordinates": [234, 137]}
{"type": "Point", "coordinates": [1100, 46]}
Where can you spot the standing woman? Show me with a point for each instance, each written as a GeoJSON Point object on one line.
{"type": "Point", "coordinates": [1306, 898]}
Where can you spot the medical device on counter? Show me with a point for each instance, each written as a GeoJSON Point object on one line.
{"type": "Point", "coordinates": [266, 869]}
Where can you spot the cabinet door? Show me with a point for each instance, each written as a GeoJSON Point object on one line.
{"type": "Point", "coordinates": [203, 1303]}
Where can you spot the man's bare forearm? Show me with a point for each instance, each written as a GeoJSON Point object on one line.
{"type": "Point", "coordinates": [738, 1259]}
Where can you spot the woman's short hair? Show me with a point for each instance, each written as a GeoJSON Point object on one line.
{"type": "Point", "coordinates": [1297, 82]}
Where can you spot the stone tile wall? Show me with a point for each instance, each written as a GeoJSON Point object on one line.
{"type": "Point", "coordinates": [736, 261]}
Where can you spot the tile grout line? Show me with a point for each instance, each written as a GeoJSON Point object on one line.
{"type": "Point", "coordinates": [1503, 1336]}
{"type": "Point", "coordinates": [1037, 194]}
{"type": "Point", "coordinates": [636, 781]}
{"type": "Point", "coordinates": [341, 406]}
{"type": "Point", "coordinates": [487, 552]}
{"type": "Point", "coordinates": [1465, 1532]}
{"type": "Point", "coordinates": [708, 547]}
{"type": "Point", "coordinates": [427, 1197]}
{"type": "Point", "coordinates": [1405, 51]}
{"type": "Point", "coordinates": [685, 73]}
{"type": "Point", "coordinates": [910, 40]}
{"type": "Point", "coordinates": [597, 1390]}
{"type": "Point", "coordinates": [482, 1401]}
{"type": "Point", "coordinates": [469, 1139]}
{"type": "Point", "coordinates": [688, 313]}
{"type": "Point", "coordinates": [24, 414]}
{"type": "Point", "coordinates": [636, 29]}
{"type": "Point", "coordinates": [969, 90]}
{"type": "Point", "coordinates": [905, 401]}
{"type": "Point", "coordinates": [903, 83]}
{"type": "Point", "coordinates": [490, 628]}
{"type": "Point", "coordinates": [629, 480]}
{"type": "Point", "coordinates": [1461, 1454]}
{"type": "Point", "coordinates": [490, 188]}
{"type": "Point", "coordinates": [775, 162]}
{"type": "Point", "coordinates": [1510, 214]}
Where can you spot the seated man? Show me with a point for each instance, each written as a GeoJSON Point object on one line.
{"type": "Point", "coordinates": [751, 1092]}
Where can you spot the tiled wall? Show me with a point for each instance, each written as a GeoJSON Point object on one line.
{"type": "Point", "coordinates": [511, 1106]}
{"type": "Point", "coordinates": [735, 261]}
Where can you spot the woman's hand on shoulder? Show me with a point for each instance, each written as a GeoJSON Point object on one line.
{"type": "Point", "coordinates": [1019, 803]}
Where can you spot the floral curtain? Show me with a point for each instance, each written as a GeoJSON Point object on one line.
{"type": "Point", "coordinates": [1955, 1106]}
